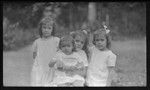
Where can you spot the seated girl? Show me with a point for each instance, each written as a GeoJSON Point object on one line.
{"type": "Point", "coordinates": [67, 64]}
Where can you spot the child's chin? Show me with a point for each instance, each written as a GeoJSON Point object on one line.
{"type": "Point", "coordinates": [101, 49]}
{"type": "Point", "coordinates": [78, 49]}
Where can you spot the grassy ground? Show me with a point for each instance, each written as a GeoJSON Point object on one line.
{"type": "Point", "coordinates": [131, 64]}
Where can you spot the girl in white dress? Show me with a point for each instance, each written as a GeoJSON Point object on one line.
{"type": "Point", "coordinates": [67, 64]}
{"type": "Point", "coordinates": [102, 59]}
{"type": "Point", "coordinates": [44, 48]}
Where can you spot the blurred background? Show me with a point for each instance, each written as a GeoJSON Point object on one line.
{"type": "Point", "coordinates": [126, 20]}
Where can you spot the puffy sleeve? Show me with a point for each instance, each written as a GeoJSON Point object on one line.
{"type": "Point", "coordinates": [111, 60]}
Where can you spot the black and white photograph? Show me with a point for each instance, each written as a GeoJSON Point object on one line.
{"type": "Point", "coordinates": [74, 44]}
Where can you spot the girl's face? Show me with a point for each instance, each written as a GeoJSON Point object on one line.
{"type": "Point", "coordinates": [67, 49]}
{"type": "Point", "coordinates": [101, 42]}
{"type": "Point", "coordinates": [79, 42]}
{"type": "Point", "coordinates": [47, 30]}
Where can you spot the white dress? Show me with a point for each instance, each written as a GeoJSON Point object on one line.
{"type": "Point", "coordinates": [68, 60]}
{"type": "Point", "coordinates": [97, 73]}
{"type": "Point", "coordinates": [46, 49]}
{"type": "Point", "coordinates": [83, 57]}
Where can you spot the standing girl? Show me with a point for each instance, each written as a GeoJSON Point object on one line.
{"type": "Point", "coordinates": [44, 48]}
{"type": "Point", "coordinates": [102, 60]}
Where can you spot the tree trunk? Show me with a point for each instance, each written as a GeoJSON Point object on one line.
{"type": "Point", "coordinates": [107, 19]}
{"type": "Point", "coordinates": [92, 12]}
{"type": "Point", "coordinates": [125, 20]}
{"type": "Point", "coordinates": [70, 17]}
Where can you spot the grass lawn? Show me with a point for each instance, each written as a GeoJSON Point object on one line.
{"type": "Point", "coordinates": [131, 64]}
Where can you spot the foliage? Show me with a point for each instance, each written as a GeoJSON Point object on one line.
{"type": "Point", "coordinates": [126, 19]}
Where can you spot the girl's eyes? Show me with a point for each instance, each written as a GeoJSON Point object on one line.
{"type": "Point", "coordinates": [99, 39]}
{"type": "Point", "coordinates": [44, 27]}
{"type": "Point", "coordinates": [102, 39]}
{"type": "Point", "coordinates": [66, 46]}
{"type": "Point", "coordinates": [49, 27]}
{"type": "Point", "coordinates": [79, 41]}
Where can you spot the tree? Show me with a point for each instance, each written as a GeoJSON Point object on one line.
{"type": "Point", "coordinates": [91, 12]}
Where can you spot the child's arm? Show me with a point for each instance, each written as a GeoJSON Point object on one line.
{"type": "Point", "coordinates": [90, 40]}
{"type": "Point", "coordinates": [52, 63]}
{"type": "Point", "coordinates": [90, 45]}
{"type": "Point", "coordinates": [111, 67]}
{"type": "Point", "coordinates": [34, 49]}
{"type": "Point", "coordinates": [34, 54]}
{"type": "Point", "coordinates": [111, 70]}
{"type": "Point", "coordinates": [59, 65]}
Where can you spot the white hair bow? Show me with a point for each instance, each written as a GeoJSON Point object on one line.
{"type": "Point", "coordinates": [84, 31]}
{"type": "Point", "coordinates": [107, 30]}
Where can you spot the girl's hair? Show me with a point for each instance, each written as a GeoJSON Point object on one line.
{"type": "Point", "coordinates": [82, 35]}
{"type": "Point", "coordinates": [107, 36]}
{"type": "Point", "coordinates": [44, 22]}
{"type": "Point", "coordinates": [66, 39]}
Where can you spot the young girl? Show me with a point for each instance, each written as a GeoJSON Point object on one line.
{"type": "Point", "coordinates": [44, 48]}
{"type": "Point", "coordinates": [80, 42]}
{"type": "Point", "coordinates": [67, 63]}
{"type": "Point", "coordinates": [102, 60]}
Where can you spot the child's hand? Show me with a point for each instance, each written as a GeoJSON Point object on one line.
{"type": "Point", "coordinates": [79, 65]}
{"type": "Point", "coordinates": [59, 65]}
{"type": "Point", "coordinates": [34, 55]}
{"type": "Point", "coordinates": [51, 63]}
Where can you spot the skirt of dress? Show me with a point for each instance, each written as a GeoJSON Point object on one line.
{"type": "Point", "coordinates": [40, 77]}
{"type": "Point", "coordinates": [36, 75]}
{"type": "Point", "coordinates": [67, 81]}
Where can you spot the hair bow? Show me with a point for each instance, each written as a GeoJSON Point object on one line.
{"type": "Point", "coordinates": [106, 29]}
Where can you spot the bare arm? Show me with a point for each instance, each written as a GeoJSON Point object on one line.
{"type": "Point", "coordinates": [90, 39]}
{"type": "Point", "coordinates": [34, 54]}
{"type": "Point", "coordinates": [111, 70]}
{"type": "Point", "coordinates": [52, 63]}
{"type": "Point", "coordinates": [34, 49]}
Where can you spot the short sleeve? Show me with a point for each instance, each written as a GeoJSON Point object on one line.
{"type": "Point", "coordinates": [111, 60]}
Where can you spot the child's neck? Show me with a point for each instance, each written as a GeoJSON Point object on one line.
{"type": "Point", "coordinates": [47, 37]}
{"type": "Point", "coordinates": [78, 50]}
{"type": "Point", "coordinates": [105, 49]}
{"type": "Point", "coordinates": [68, 53]}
